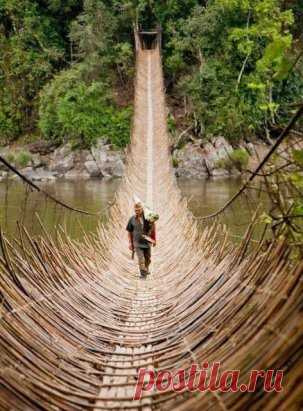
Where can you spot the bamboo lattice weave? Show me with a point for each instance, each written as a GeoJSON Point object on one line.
{"type": "Point", "coordinates": [77, 321]}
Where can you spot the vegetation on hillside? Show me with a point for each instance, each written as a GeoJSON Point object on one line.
{"type": "Point", "coordinates": [235, 65]}
{"type": "Point", "coordinates": [244, 77]}
{"type": "Point", "coordinates": [60, 67]}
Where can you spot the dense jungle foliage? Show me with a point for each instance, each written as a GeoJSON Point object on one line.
{"type": "Point", "coordinates": [233, 67]}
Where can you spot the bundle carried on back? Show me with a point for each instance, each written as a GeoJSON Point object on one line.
{"type": "Point", "coordinates": [149, 214]}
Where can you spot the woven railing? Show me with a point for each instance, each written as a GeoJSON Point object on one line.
{"type": "Point", "coordinates": [77, 322]}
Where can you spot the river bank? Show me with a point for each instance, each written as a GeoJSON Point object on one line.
{"type": "Point", "coordinates": [200, 159]}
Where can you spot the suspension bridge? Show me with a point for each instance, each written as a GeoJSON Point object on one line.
{"type": "Point", "coordinates": [77, 322]}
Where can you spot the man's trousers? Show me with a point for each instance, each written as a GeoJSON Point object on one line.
{"type": "Point", "coordinates": [144, 259]}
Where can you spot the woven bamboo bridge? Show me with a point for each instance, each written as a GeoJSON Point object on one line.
{"type": "Point", "coordinates": [77, 322]}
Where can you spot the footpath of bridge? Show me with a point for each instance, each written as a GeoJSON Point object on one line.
{"type": "Point", "coordinates": [77, 322]}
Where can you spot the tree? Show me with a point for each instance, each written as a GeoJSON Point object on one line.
{"type": "Point", "coordinates": [240, 48]}
{"type": "Point", "coordinates": [31, 51]}
{"type": "Point", "coordinates": [78, 104]}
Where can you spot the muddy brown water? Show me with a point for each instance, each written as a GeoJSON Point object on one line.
{"type": "Point", "coordinates": [18, 204]}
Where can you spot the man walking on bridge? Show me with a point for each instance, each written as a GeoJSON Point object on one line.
{"type": "Point", "coordinates": [141, 234]}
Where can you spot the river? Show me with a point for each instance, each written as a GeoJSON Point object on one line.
{"type": "Point", "coordinates": [19, 204]}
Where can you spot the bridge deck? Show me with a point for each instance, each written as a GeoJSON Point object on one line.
{"type": "Point", "coordinates": [75, 337]}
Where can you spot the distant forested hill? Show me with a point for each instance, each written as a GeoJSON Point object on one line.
{"type": "Point", "coordinates": [232, 67]}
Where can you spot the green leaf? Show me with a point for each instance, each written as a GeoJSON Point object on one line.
{"type": "Point", "coordinates": [298, 157]}
{"type": "Point", "coordinates": [265, 218]}
{"type": "Point", "coordinates": [297, 179]}
{"type": "Point", "coordinates": [284, 69]}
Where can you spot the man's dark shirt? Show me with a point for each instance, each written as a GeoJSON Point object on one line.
{"type": "Point", "coordinates": [135, 227]}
